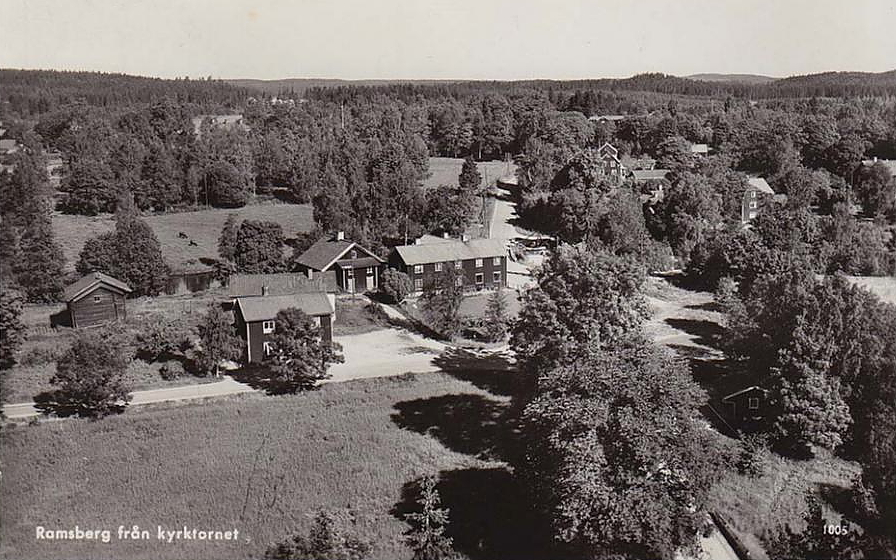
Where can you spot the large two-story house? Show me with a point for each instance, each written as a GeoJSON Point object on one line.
{"type": "Point", "coordinates": [350, 266]}
{"type": "Point", "coordinates": [480, 263]}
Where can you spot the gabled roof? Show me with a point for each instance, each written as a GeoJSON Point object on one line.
{"type": "Point", "coordinates": [244, 285]}
{"type": "Point", "coordinates": [91, 281]}
{"type": "Point", "coordinates": [699, 149]}
{"type": "Point", "coordinates": [888, 163]}
{"type": "Point", "coordinates": [743, 391]}
{"type": "Point", "coordinates": [325, 252]}
{"type": "Point", "coordinates": [642, 175]}
{"type": "Point", "coordinates": [759, 184]}
{"type": "Point", "coordinates": [265, 308]}
{"type": "Point", "coordinates": [608, 149]}
{"type": "Point", "coordinates": [606, 118]}
{"type": "Point", "coordinates": [451, 251]}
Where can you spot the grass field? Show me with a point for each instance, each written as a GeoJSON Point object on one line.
{"type": "Point", "coordinates": [262, 465]}
{"type": "Point", "coordinates": [444, 171]}
{"type": "Point", "coordinates": [354, 316]}
{"type": "Point", "coordinates": [883, 286]}
{"type": "Point", "coordinates": [201, 227]}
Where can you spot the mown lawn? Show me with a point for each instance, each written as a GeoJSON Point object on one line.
{"type": "Point", "coordinates": [262, 465]}
{"type": "Point", "coordinates": [356, 316]}
{"type": "Point", "coordinates": [201, 230]}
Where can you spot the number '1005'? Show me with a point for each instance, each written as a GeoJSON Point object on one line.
{"type": "Point", "coordinates": [835, 530]}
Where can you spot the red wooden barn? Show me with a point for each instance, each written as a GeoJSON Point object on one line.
{"type": "Point", "coordinates": [96, 299]}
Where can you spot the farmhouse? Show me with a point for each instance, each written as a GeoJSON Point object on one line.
{"type": "Point", "coordinates": [611, 166]}
{"type": "Point", "coordinates": [95, 299]}
{"type": "Point", "coordinates": [481, 263]}
{"type": "Point", "coordinates": [747, 404]}
{"type": "Point", "coordinates": [699, 149]}
{"type": "Point", "coordinates": [255, 318]}
{"type": "Point", "coordinates": [757, 190]}
{"type": "Point", "coordinates": [352, 267]}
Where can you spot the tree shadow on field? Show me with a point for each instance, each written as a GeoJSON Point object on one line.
{"type": "Point", "coordinates": [489, 515]}
{"type": "Point", "coordinates": [260, 378]}
{"type": "Point", "coordinates": [63, 405]}
{"type": "Point", "coordinates": [706, 333]}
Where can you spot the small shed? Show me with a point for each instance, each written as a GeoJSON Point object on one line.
{"type": "Point", "coordinates": [747, 404]}
{"type": "Point", "coordinates": [96, 299]}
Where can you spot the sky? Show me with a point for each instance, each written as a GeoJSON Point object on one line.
{"type": "Point", "coordinates": [447, 39]}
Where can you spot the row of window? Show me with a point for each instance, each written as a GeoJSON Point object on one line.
{"type": "Point", "coordinates": [350, 272]}
{"type": "Point", "coordinates": [459, 281]}
{"type": "Point", "coordinates": [418, 268]}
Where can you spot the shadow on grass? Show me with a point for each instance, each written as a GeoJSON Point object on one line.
{"type": "Point", "coordinates": [63, 405]}
{"type": "Point", "coordinates": [489, 515]}
{"type": "Point", "coordinates": [707, 333]}
{"type": "Point", "coordinates": [259, 378]}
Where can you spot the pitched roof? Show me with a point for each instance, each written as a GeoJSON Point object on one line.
{"type": "Point", "coordinates": [451, 251]}
{"type": "Point", "coordinates": [742, 391]}
{"type": "Point", "coordinates": [264, 308]}
{"type": "Point", "coordinates": [759, 184]}
{"type": "Point", "coordinates": [699, 149]}
{"type": "Point", "coordinates": [244, 285]}
{"type": "Point", "coordinates": [325, 252]}
{"type": "Point", "coordinates": [363, 262]}
{"type": "Point", "coordinates": [889, 163]}
{"type": "Point", "coordinates": [88, 282]}
{"type": "Point", "coordinates": [642, 175]}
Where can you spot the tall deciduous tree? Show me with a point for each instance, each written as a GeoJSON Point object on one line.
{"type": "Point", "coordinates": [259, 247]}
{"type": "Point", "coordinates": [12, 332]}
{"type": "Point", "coordinates": [218, 340]}
{"type": "Point", "coordinates": [299, 357]}
{"type": "Point", "coordinates": [227, 239]}
{"type": "Point", "coordinates": [441, 300]}
{"type": "Point", "coordinates": [90, 375]}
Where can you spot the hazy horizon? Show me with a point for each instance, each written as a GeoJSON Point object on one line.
{"type": "Point", "coordinates": [446, 40]}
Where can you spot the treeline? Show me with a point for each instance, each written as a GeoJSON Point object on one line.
{"type": "Point", "coordinates": [828, 84]}
{"type": "Point", "coordinates": [29, 93]}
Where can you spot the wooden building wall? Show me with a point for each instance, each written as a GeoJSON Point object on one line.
{"type": "Point", "coordinates": [87, 312]}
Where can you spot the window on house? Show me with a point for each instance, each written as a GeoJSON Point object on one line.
{"type": "Point", "coordinates": [496, 277]}
{"type": "Point", "coordinates": [369, 271]}
{"type": "Point", "coordinates": [478, 263]}
{"type": "Point", "coordinates": [267, 327]}
{"type": "Point", "coordinates": [753, 403]}
{"type": "Point", "coordinates": [349, 273]}
{"type": "Point", "coordinates": [418, 269]}
{"type": "Point", "coordinates": [496, 261]}
{"type": "Point", "coordinates": [268, 348]}
{"type": "Point", "coordinates": [353, 254]}
{"type": "Point", "coordinates": [438, 267]}
{"type": "Point", "coordinates": [418, 284]}
{"type": "Point", "coordinates": [97, 299]}
{"type": "Point", "coordinates": [752, 215]}
{"type": "Point", "coordinates": [752, 204]}
{"type": "Point", "coordinates": [479, 279]}
{"type": "Point", "coordinates": [752, 194]}
{"type": "Point", "coordinates": [458, 265]}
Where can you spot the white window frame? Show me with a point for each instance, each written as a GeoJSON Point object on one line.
{"type": "Point", "coordinates": [369, 271]}
{"type": "Point", "coordinates": [478, 263]}
{"type": "Point", "coordinates": [267, 347]}
{"type": "Point", "coordinates": [458, 265]}
{"type": "Point", "coordinates": [752, 194]}
{"type": "Point", "coordinates": [480, 279]}
{"type": "Point", "coordinates": [418, 269]}
{"type": "Point", "coordinates": [459, 281]}
{"type": "Point", "coordinates": [496, 277]}
{"type": "Point", "coordinates": [418, 284]}
{"type": "Point", "coordinates": [752, 204]}
{"type": "Point", "coordinates": [353, 254]}
{"type": "Point", "coordinates": [438, 266]}
{"type": "Point", "coordinates": [97, 299]}
{"type": "Point", "coordinates": [496, 261]}
{"type": "Point", "coordinates": [267, 327]}
{"type": "Point", "coordinates": [752, 215]}
{"type": "Point", "coordinates": [753, 403]}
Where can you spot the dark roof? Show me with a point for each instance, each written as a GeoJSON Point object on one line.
{"type": "Point", "coordinates": [89, 282]}
{"type": "Point", "coordinates": [451, 251]}
{"type": "Point", "coordinates": [264, 308]}
{"type": "Point", "coordinates": [325, 252]}
{"type": "Point", "coordinates": [743, 391]}
{"type": "Point", "coordinates": [243, 285]}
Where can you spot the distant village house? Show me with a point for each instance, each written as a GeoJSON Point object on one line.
{"type": "Point", "coordinates": [480, 263]}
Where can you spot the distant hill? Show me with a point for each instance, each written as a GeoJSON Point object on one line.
{"type": "Point", "coordinates": [300, 85]}
{"type": "Point", "coordinates": [751, 79]}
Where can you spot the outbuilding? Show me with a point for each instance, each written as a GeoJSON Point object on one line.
{"type": "Point", "coordinates": [96, 299]}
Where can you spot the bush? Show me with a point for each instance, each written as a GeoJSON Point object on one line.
{"type": "Point", "coordinates": [325, 541]}
{"type": "Point", "coordinates": [376, 313]}
{"type": "Point", "coordinates": [90, 375]}
{"type": "Point", "coordinates": [171, 370]}
{"type": "Point", "coordinates": [161, 337]}
{"type": "Point", "coordinates": [40, 355]}
{"type": "Point", "coordinates": [395, 285]}
{"type": "Point", "coordinates": [752, 454]}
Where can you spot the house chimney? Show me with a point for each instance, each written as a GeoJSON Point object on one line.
{"type": "Point", "coordinates": [340, 236]}
{"type": "Point", "coordinates": [265, 290]}
{"type": "Point", "coordinates": [418, 241]}
{"type": "Point", "coordinates": [464, 237]}
{"type": "Point", "coordinates": [446, 235]}
{"type": "Point", "coordinates": [875, 159]}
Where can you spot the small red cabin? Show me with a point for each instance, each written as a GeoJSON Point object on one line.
{"type": "Point", "coordinates": [96, 299]}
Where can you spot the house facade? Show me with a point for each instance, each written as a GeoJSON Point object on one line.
{"type": "Point", "coordinates": [480, 263]}
{"type": "Point", "coordinates": [757, 192]}
{"type": "Point", "coordinates": [95, 299]}
{"type": "Point", "coordinates": [611, 165]}
{"type": "Point", "coordinates": [353, 268]}
{"type": "Point", "coordinates": [255, 318]}
{"type": "Point", "coordinates": [747, 404]}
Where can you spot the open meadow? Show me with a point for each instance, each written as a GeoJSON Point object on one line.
{"type": "Point", "coordinates": [200, 230]}
{"type": "Point", "coordinates": [444, 171]}
{"type": "Point", "coordinates": [263, 465]}
{"type": "Point", "coordinates": [883, 287]}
